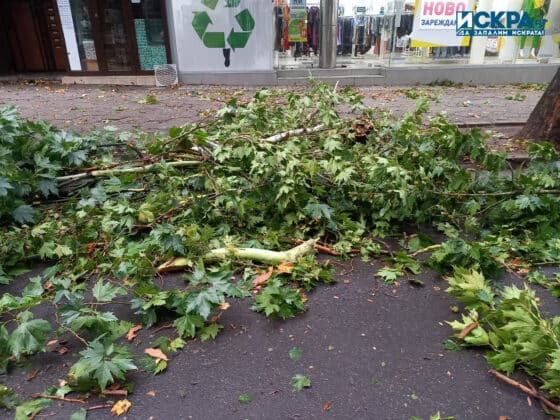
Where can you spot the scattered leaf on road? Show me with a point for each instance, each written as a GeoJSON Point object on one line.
{"type": "Point", "coordinates": [121, 407]}
{"type": "Point", "coordinates": [156, 354]}
{"type": "Point", "coordinates": [327, 406]}
{"type": "Point", "coordinates": [131, 335]}
{"type": "Point", "coordinates": [295, 353]}
{"type": "Point", "coordinates": [151, 393]}
{"type": "Point", "coordinates": [299, 382]}
{"type": "Point", "coordinates": [245, 398]}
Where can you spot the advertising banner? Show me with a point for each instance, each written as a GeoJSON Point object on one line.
{"type": "Point", "coordinates": [435, 23]}
{"type": "Point", "coordinates": [297, 24]}
{"type": "Point", "coordinates": [223, 35]}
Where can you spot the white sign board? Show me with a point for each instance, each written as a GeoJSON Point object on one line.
{"type": "Point", "coordinates": [65, 13]}
{"type": "Point", "coordinates": [223, 35]}
{"type": "Point", "coordinates": [435, 22]}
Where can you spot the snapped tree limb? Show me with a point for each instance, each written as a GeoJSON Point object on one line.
{"type": "Point", "coordinates": [261, 255]}
{"type": "Point", "coordinates": [133, 170]}
{"type": "Point", "coordinates": [296, 132]}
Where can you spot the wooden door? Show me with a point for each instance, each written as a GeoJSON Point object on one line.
{"type": "Point", "coordinates": [114, 36]}
{"type": "Point", "coordinates": [35, 36]}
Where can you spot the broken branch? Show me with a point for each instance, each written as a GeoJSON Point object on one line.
{"type": "Point", "coordinates": [525, 389]}
{"type": "Point", "coordinates": [133, 170]}
{"type": "Point", "coordinates": [295, 132]}
{"type": "Point", "coordinates": [56, 397]}
{"type": "Point", "coordinates": [261, 255]}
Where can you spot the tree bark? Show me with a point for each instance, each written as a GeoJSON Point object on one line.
{"type": "Point", "coordinates": [544, 121]}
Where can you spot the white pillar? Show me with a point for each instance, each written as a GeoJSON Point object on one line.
{"type": "Point", "coordinates": [549, 48]}
{"type": "Point", "coordinates": [509, 51]}
{"type": "Point", "coordinates": [478, 43]}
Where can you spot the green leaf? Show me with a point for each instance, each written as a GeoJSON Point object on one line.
{"type": "Point", "coordinates": [4, 187]}
{"type": "Point", "coordinates": [245, 398]}
{"type": "Point", "coordinates": [188, 324]}
{"type": "Point", "coordinates": [24, 214]}
{"type": "Point", "coordinates": [299, 382]}
{"type": "Point", "coordinates": [79, 415]}
{"type": "Point", "coordinates": [451, 345]}
{"type": "Point", "coordinates": [104, 363]}
{"type": "Point", "coordinates": [295, 353]}
{"type": "Point", "coordinates": [210, 332]}
{"type": "Point", "coordinates": [30, 336]}
{"type": "Point", "coordinates": [106, 292]}
{"type": "Point", "coordinates": [31, 408]}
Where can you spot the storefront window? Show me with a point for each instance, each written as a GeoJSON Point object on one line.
{"type": "Point", "coordinates": [150, 35]}
{"type": "Point", "coordinates": [84, 34]}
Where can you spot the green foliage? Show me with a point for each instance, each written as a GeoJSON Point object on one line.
{"type": "Point", "coordinates": [348, 182]}
{"type": "Point", "coordinates": [279, 301]}
{"type": "Point", "coordinates": [103, 362]}
{"type": "Point", "coordinates": [299, 382]}
{"type": "Point", "coordinates": [510, 323]}
{"type": "Point", "coordinates": [31, 408]}
{"type": "Point", "coordinates": [8, 398]}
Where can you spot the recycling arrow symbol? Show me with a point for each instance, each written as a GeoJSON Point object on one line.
{"type": "Point", "coordinates": [235, 39]}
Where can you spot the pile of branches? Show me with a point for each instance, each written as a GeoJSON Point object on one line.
{"type": "Point", "coordinates": [221, 196]}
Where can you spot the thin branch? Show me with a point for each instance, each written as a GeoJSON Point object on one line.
{"type": "Point", "coordinates": [56, 397]}
{"type": "Point", "coordinates": [525, 389]}
{"type": "Point", "coordinates": [133, 170]}
{"type": "Point", "coordinates": [427, 249]}
{"type": "Point", "coordinates": [295, 132]}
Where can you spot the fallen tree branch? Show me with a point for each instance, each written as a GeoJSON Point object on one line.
{"type": "Point", "coordinates": [427, 249]}
{"type": "Point", "coordinates": [133, 170]}
{"type": "Point", "coordinates": [525, 389]}
{"type": "Point", "coordinates": [492, 194]}
{"type": "Point", "coordinates": [56, 397]}
{"type": "Point", "coordinates": [321, 248]}
{"type": "Point", "coordinates": [295, 132]}
{"type": "Point", "coordinates": [262, 255]}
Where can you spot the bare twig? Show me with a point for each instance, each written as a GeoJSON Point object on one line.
{"type": "Point", "coordinates": [99, 407]}
{"type": "Point", "coordinates": [549, 404]}
{"type": "Point", "coordinates": [424, 250]}
{"type": "Point", "coordinates": [56, 397]}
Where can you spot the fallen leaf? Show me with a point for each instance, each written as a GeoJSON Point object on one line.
{"type": "Point", "coordinates": [468, 330]}
{"type": "Point", "coordinates": [156, 354]}
{"type": "Point", "coordinates": [131, 335]}
{"type": "Point", "coordinates": [285, 267]}
{"type": "Point", "coordinates": [51, 345]}
{"type": "Point", "coordinates": [31, 375]}
{"type": "Point", "coordinates": [327, 406]}
{"type": "Point", "coordinates": [263, 278]}
{"type": "Point", "coordinates": [120, 407]}
{"type": "Point", "coordinates": [151, 393]}
{"type": "Point", "coordinates": [224, 306]}
{"type": "Point", "coordinates": [62, 350]}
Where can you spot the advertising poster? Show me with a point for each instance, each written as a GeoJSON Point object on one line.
{"type": "Point", "coordinates": [222, 35]}
{"type": "Point", "coordinates": [297, 25]}
{"type": "Point", "coordinates": [435, 23]}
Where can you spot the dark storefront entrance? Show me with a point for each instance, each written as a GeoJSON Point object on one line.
{"type": "Point", "coordinates": [30, 37]}
{"type": "Point", "coordinates": [94, 36]}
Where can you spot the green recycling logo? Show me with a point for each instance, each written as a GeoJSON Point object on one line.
{"type": "Point", "coordinates": [235, 39]}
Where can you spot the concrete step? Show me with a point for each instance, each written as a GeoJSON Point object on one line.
{"type": "Point", "coordinates": [348, 80]}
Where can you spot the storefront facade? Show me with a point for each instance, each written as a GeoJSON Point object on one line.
{"type": "Point", "coordinates": [221, 40]}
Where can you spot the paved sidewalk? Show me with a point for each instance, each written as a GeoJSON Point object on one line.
{"type": "Point", "coordinates": [81, 108]}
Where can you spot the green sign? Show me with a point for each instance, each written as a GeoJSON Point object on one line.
{"type": "Point", "coordinates": [234, 39]}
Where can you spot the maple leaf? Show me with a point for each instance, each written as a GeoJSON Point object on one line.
{"type": "Point", "coordinates": [121, 407]}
